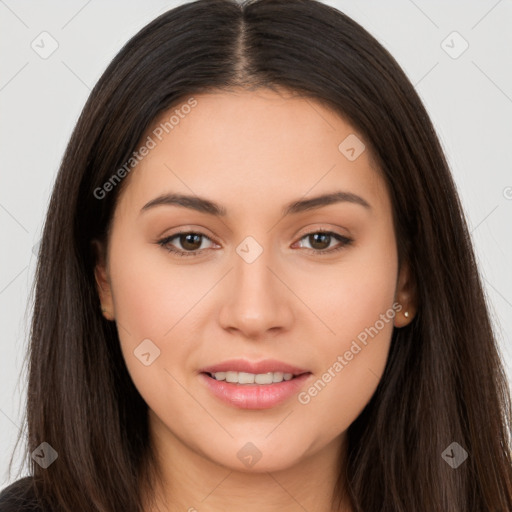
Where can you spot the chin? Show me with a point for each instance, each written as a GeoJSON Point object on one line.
{"type": "Point", "coordinates": [259, 455]}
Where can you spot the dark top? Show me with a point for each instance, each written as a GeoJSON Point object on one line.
{"type": "Point", "coordinates": [19, 497]}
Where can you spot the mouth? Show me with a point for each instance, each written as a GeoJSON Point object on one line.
{"type": "Point", "coordinates": [249, 385]}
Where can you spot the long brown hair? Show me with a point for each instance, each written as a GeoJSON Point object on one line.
{"type": "Point", "coordinates": [444, 381]}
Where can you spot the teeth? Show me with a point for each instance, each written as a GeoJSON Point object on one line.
{"type": "Point", "coordinates": [247, 378]}
{"type": "Point", "coordinates": [264, 378]}
{"type": "Point", "coordinates": [251, 378]}
{"type": "Point", "coordinates": [231, 377]}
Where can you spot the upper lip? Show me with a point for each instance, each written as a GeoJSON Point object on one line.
{"type": "Point", "coordinates": [256, 367]}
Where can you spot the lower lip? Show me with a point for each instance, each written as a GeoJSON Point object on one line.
{"type": "Point", "coordinates": [254, 396]}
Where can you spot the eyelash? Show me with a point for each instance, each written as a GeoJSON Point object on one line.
{"type": "Point", "coordinates": [164, 242]}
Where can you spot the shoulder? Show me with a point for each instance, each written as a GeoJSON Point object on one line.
{"type": "Point", "coordinates": [19, 497]}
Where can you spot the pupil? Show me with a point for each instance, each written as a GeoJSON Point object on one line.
{"type": "Point", "coordinates": [190, 240]}
{"type": "Point", "coordinates": [322, 238]}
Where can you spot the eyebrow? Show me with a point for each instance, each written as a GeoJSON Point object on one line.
{"type": "Point", "coordinates": [206, 206]}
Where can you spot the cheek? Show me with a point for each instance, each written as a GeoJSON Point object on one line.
{"type": "Point", "coordinates": [153, 300]}
{"type": "Point", "coordinates": [352, 365]}
{"type": "Point", "coordinates": [359, 309]}
{"type": "Point", "coordinates": [350, 296]}
{"type": "Point", "coordinates": [151, 293]}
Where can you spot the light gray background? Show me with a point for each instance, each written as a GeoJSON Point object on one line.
{"type": "Point", "coordinates": [469, 99]}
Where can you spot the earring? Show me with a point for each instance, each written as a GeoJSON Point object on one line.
{"type": "Point", "coordinates": [406, 314]}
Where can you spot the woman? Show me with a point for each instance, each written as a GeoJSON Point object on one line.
{"type": "Point", "coordinates": [256, 287]}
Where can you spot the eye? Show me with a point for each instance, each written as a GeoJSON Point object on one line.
{"type": "Point", "coordinates": [321, 240]}
{"type": "Point", "coordinates": [190, 241]}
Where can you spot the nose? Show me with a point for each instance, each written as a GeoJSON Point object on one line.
{"type": "Point", "coordinates": [256, 302]}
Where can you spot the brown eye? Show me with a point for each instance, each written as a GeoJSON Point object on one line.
{"type": "Point", "coordinates": [320, 242]}
{"type": "Point", "coordinates": [186, 243]}
{"type": "Point", "coordinates": [190, 241]}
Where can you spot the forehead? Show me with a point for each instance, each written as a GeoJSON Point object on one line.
{"type": "Point", "coordinates": [239, 146]}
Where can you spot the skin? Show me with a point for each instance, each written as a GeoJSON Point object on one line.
{"type": "Point", "coordinates": [253, 152]}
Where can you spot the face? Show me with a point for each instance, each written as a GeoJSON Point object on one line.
{"type": "Point", "coordinates": [282, 261]}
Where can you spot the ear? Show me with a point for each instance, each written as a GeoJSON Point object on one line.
{"type": "Point", "coordinates": [103, 280]}
{"type": "Point", "coordinates": [406, 296]}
